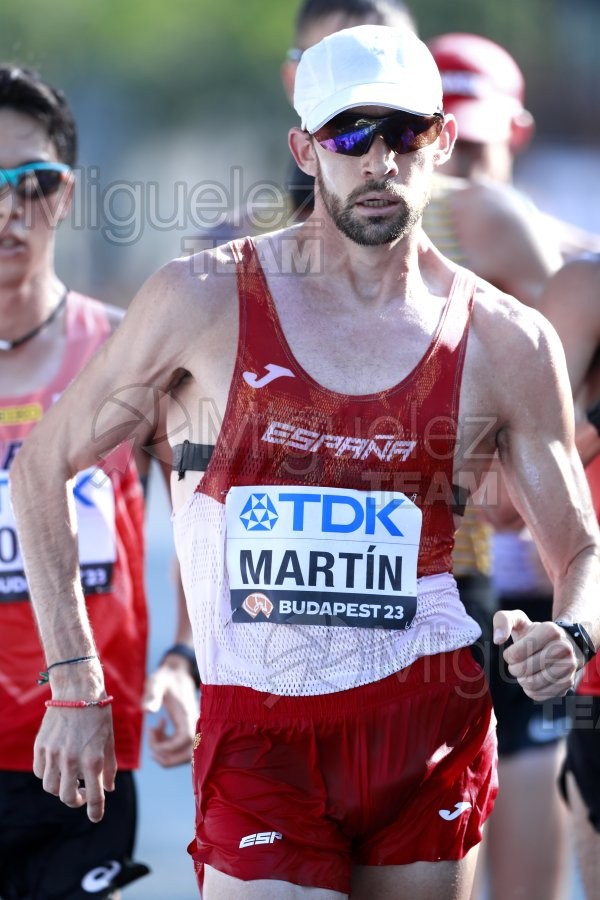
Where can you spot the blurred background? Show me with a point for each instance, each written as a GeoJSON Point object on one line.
{"type": "Point", "coordinates": [181, 115]}
{"type": "Point", "coordinates": [181, 112]}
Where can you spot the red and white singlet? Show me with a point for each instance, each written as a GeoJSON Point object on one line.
{"type": "Point", "coordinates": [316, 550]}
{"type": "Point", "coordinates": [110, 532]}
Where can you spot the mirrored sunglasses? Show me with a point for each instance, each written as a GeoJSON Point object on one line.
{"type": "Point", "coordinates": [353, 135]}
{"type": "Point", "coordinates": [34, 180]}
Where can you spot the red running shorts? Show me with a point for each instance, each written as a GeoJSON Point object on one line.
{"type": "Point", "coordinates": [300, 789]}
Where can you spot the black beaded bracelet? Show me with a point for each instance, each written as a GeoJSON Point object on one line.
{"type": "Point", "coordinates": [593, 416]}
{"type": "Point", "coordinates": [186, 653]}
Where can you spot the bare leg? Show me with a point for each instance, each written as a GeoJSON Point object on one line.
{"type": "Point", "coordinates": [527, 843]}
{"type": "Point", "coordinates": [218, 886]}
{"type": "Point", "coordinates": [479, 879]}
{"type": "Point", "coordinates": [587, 840]}
{"type": "Point", "coordinates": [419, 881]}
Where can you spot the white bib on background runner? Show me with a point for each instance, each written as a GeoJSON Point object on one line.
{"type": "Point", "coordinates": [95, 506]}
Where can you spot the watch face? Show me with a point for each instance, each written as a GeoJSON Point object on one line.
{"type": "Point", "coordinates": [587, 640]}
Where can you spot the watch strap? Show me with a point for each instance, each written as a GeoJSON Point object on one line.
{"type": "Point", "coordinates": [580, 637]}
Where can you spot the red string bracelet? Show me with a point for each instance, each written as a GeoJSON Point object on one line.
{"type": "Point", "coordinates": [79, 704]}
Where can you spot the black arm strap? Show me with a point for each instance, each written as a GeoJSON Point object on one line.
{"type": "Point", "coordinates": [191, 456]}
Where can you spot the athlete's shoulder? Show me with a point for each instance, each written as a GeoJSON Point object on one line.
{"type": "Point", "coordinates": [190, 289]}
{"type": "Point", "coordinates": [581, 273]}
{"type": "Point", "coordinates": [514, 357]}
{"type": "Point", "coordinates": [505, 237]}
{"type": "Point", "coordinates": [571, 298]}
{"type": "Point", "coordinates": [486, 198]}
{"type": "Point", "coordinates": [486, 206]}
{"type": "Point", "coordinates": [501, 320]}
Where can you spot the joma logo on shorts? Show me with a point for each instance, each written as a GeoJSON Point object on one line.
{"type": "Point", "coordinates": [263, 837]}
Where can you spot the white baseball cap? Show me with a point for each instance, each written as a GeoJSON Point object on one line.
{"type": "Point", "coordinates": [369, 65]}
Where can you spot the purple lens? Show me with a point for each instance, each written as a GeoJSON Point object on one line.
{"type": "Point", "coordinates": [351, 143]}
{"type": "Point", "coordinates": [402, 132]}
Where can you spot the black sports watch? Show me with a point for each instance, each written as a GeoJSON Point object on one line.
{"type": "Point", "coordinates": [580, 638]}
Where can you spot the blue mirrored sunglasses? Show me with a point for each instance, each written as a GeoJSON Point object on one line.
{"type": "Point", "coordinates": [34, 180]}
{"type": "Point", "coordinates": [403, 132]}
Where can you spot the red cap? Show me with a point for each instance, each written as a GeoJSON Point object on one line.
{"type": "Point", "coordinates": [483, 86]}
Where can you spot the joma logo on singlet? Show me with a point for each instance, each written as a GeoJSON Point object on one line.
{"type": "Point", "coordinates": [381, 446]}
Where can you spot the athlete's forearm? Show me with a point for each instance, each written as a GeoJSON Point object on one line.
{"type": "Point", "coordinates": [45, 517]}
{"type": "Point", "coordinates": [577, 592]}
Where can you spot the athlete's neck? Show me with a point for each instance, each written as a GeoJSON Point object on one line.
{"type": "Point", "coordinates": [370, 275]}
{"type": "Point", "coordinates": [24, 306]}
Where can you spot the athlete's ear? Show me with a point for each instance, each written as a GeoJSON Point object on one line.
{"type": "Point", "coordinates": [303, 150]}
{"type": "Point", "coordinates": [446, 140]}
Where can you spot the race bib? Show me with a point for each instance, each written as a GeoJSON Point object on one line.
{"type": "Point", "coordinates": [95, 505]}
{"type": "Point", "coordinates": [322, 556]}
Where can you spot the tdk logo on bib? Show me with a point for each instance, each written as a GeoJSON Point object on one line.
{"type": "Point", "coordinates": [342, 514]}
{"type": "Point", "coordinates": [95, 506]}
{"type": "Point", "coordinates": [332, 556]}
{"type": "Point", "coordinates": [259, 513]}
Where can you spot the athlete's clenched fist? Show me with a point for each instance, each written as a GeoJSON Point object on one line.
{"type": "Point", "coordinates": [542, 657]}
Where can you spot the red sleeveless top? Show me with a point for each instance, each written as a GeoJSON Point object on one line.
{"type": "Point", "coordinates": [281, 427]}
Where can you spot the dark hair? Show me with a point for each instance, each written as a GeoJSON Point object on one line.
{"type": "Point", "coordinates": [376, 10]}
{"type": "Point", "coordinates": [24, 91]}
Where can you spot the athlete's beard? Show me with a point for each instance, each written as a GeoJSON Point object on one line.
{"type": "Point", "coordinates": [374, 230]}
